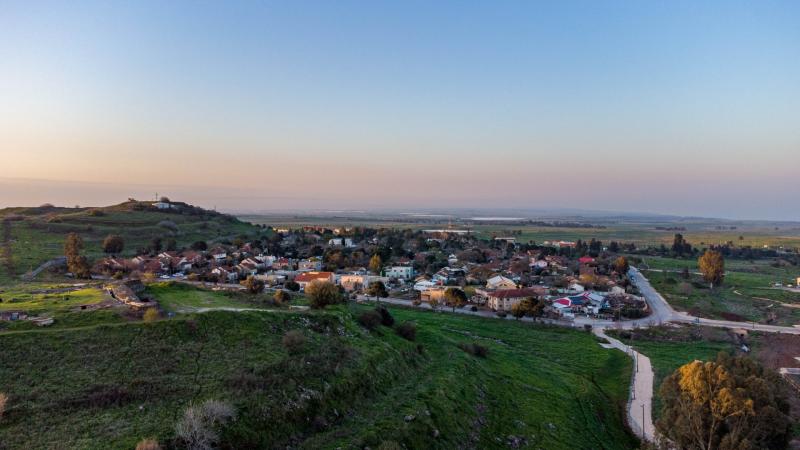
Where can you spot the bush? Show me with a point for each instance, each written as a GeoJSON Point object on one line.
{"type": "Point", "coordinates": [322, 294]}
{"type": "Point", "coordinates": [407, 330]}
{"type": "Point", "coordinates": [292, 286]}
{"type": "Point", "coordinates": [151, 315]}
{"type": "Point", "coordinates": [474, 349]}
{"type": "Point", "coordinates": [148, 444]}
{"type": "Point", "coordinates": [199, 426]}
{"type": "Point", "coordinates": [386, 318]}
{"type": "Point", "coordinates": [168, 224]}
{"type": "Point", "coordinates": [280, 297]}
{"type": "Point", "coordinates": [501, 314]}
{"type": "Point", "coordinates": [294, 341]}
{"type": "Point", "coordinates": [370, 319]}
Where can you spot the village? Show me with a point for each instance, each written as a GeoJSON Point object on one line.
{"type": "Point", "coordinates": [563, 279]}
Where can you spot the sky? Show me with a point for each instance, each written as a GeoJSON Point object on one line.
{"type": "Point", "coordinates": [680, 107]}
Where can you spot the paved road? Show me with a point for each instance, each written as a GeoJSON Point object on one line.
{"type": "Point", "coordinates": [663, 312]}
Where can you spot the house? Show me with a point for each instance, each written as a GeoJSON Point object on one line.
{"type": "Point", "coordinates": [575, 287]}
{"type": "Point", "coordinates": [435, 293]}
{"type": "Point", "coordinates": [585, 259]}
{"type": "Point", "coordinates": [305, 278]}
{"type": "Point", "coordinates": [400, 272]}
{"type": "Point", "coordinates": [225, 274]}
{"type": "Point", "coordinates": [452, 259]}
{"type": "Point", "coordinates": [282, 263]}
{"type": "Point", "coordinates": [500, 282]}
{"type": "Point", "coordinates": [247, 267]}
{"type": "Point", "coordinates": [341, 242]}
{"type": "Point", "coordinates": [588, 303]}
{"type": "Point", "coordinates": [218, 253]}
{"type": "Point", "coordinates": [164, 205]}
{"type": "Point", "coordinates": [505, 299]}
{"type": "Point", "coordinates": [313, 263]}
{"type": "Point", "coordinates": [424, 285]}
{"type": "Point", "coordinates": [356, 281]}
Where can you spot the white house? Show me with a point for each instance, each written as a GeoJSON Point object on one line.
{"type": "Point", "coordinates": [500, 282]}
{"type": "Point", "coordinates": [400, 272]}
{"type": "Point", "coordinates": [163, 205]}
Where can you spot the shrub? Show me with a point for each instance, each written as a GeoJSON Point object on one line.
{"type": "Point", "coordinates": [370, 319]}
{"type": "Point", "coordinates": [407, 330]}
{"type": "Point", "coordinates": [474, 349]}
{"type": "Point", "coordinates": [386, 317]}
{"type": "Point", "coordinates": [151, 315]}
{"type": "Point", "coordinates": [294, 341]}
{"type": "Point", "coordinates": [685, 289]}
{"type": "Point", "coordinates": [148, 444]}
{"type": "Point", "coordinates": [292, 286]}
{"type": "Point", "coordinates": [501, 314]}
{"type": "Point", "coordinates": [322, 294]}
{"type": "Point", "coordinates": [199, 426]}
{"type": "Point", "coordinates": [3, 403]}
{"type": "Point", "coordinates": [281, 297]}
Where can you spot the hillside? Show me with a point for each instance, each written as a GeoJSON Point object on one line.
{"type": "Point", "coordinates": [539, 387]}
{"type": "Point", "coordinates": [30, 236]}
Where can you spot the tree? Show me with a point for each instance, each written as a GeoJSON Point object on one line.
{"type": "Point", "coordinates": [518, 311]}
{"type": "Point", "coordinates": [322, 294]}
{"type": "Point", "coordinates": [730, 403]}
{"type": "Point", "coordinates": [253, 285]}
{"type": "Point", "coordinates": [155, 244]}
{"type": "Point", "coordinates": [378, 290]}
{"type": "Point", "coordinates": [3, 403]}
{"type": "Point", "coordinates": [712, 266]}
{"type": "Point", "coordinates": [281, 296]}
{"type": "Point", "coordinates": [113, 244]}
{"type": "Point", "coordinates": [199, 246]}
{"type": "Point", "coordinates": [76, 263]}
{"type": "Point", "coordinates": [455, 298]}
{"type": "Point", "coordinates": [292, 286]}
{"type": "Point", "coordinates": [621, 266]}
{"type": "Point", "coordinates": [200, 425]}
{"type": "Point", "coordinates": [375, 264]}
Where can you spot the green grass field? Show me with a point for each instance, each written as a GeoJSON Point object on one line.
{"type": "Point", "coordinates": [747, 292]}
{"type": "Point", "coordinates": [109, 386]}
{"type": "Point", "coordinates": [178, 297]}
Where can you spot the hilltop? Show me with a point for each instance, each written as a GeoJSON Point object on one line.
{"type": "Point", "coordinates": [33, 235]}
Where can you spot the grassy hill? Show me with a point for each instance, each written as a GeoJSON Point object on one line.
{"type": "Point", "coordinates": [30, 236]}
{"type": "Point", "coordinates": [109, 386]}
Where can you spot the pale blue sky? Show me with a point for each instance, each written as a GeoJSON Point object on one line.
{"type": "Point", "coordinates": [693, 105]}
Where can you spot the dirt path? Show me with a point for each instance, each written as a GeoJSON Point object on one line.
{"type": "Point", "coordinates": [640, 403]}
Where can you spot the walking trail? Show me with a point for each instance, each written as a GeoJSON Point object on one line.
{"type": "Point", "coordinates": [640, 401]}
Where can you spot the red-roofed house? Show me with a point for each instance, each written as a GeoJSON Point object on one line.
{"type": "Point", "coordinates": [505, 299]}
{"type": "Point", "coordinates": [305, 278]}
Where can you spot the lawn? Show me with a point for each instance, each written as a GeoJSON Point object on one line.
{"type": "Point", "coordinates": [539, 386]}
{"type": "Point", "coordinates": [179, 297]}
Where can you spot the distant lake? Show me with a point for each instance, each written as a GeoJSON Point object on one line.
{"type": "Point", "coordinates": [496, 218]}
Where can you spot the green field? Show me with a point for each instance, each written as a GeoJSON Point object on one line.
{"type": "Point", "coordinates": [178, 297]}
{"type": "Point", "coordinates": [699, 232]}
{"type": "Point", "coordinates": [746, 294]}
{"type": "Point", "coordinates": [37, 234]}
{"type": "Point", "coordinates": [109, 386]}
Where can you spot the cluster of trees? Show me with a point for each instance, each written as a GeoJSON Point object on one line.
{"type": "Point", "coordinates": [731, 403]}
{"type": "Point", "coordinates": [530, 307]}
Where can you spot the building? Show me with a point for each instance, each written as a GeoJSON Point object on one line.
{"type": "Point", "coordinates": [500, 282]}
{"type": "Point", "coordinates": [163, 205]}
{"type": "Point", "coordinates": [505, 299]}
{"type": "Point", "coordinates": [400, 272]}
{"type": "Point", "coordinates": [305, 278]}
